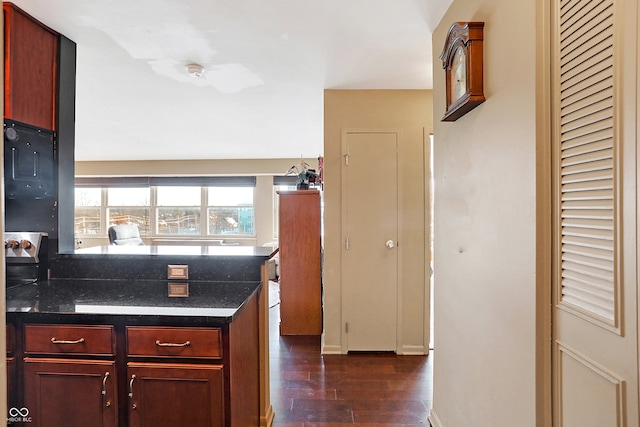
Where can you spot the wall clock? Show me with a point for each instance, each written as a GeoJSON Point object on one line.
{"type": "Point", "coordinates": [462, 62]}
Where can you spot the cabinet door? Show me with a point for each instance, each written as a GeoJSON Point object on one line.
{"type": "Point", "coordinates": [11, 366]}
{"type": "Point", "coordinates": [164, 394]}
{"type": "Point", "coordinates": [70, 393]}
{"type": "Point", "coordinates": [31, 63]}
{"type": "Point", "coordinates": [300, 263]}
{"type": "Point", "coordinates": [11, 382]}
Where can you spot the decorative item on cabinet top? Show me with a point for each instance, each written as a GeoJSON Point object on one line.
{"type": "Point", "coordinates": [305, 175]}
{"type": "Point", "coordinates": [462, 60]}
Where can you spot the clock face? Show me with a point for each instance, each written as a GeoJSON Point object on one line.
{"type": "Point", "coordinates": [458, 74]}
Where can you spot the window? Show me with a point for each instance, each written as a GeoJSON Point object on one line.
{"type": "Point", "coordinates": [128, 206]}
{"type": "Point", "coordinates": [168, 208]}
{"type": "Point", "coordinates": [230, 211]}
{"type": "Point", "coordinates": [88, 211]}
{"type": "Point", "coordinates": [178, 210]}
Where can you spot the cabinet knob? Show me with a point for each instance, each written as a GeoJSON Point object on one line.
{"type": "Point", "coordinates": [390, 244]}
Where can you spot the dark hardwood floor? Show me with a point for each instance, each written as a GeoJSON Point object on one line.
{"type": "Point", "coordinates": [312, 390]}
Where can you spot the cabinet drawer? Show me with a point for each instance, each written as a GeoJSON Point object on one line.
{"type": "Point", "coordinates": [69, 339]}
{"type": "Point", "coordinates": [174, 342]}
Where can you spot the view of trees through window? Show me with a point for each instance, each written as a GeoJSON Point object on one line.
{"type": "Point", "coordinates": [129, 206]}
{"type": "Point", "coordinates": [230, 210]}
{"type": "Point", "coordinates": [178, 210]}
{"type": "Point", "coordinates": [87, 211]}
{"type": "Point", "coordinates": [166, 210]}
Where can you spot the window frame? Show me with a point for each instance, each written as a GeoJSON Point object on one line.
{"type": "Point", "coordinates": [153, 184]}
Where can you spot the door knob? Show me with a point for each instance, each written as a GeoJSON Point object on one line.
{"type": "Point", "coordinates": [390, 244]}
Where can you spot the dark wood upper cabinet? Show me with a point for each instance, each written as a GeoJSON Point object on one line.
{"type": "Point", "coordinates": [30, 66]}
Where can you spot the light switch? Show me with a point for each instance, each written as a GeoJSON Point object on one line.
{"type": "Point", "coordinates": [177, 271]}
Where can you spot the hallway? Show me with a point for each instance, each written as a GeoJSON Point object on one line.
{"type": "Point", "coordinates": [311, 390]}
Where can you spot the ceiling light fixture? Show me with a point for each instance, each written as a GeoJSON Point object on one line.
{"type": "Point", "coordinates": [195, 70]}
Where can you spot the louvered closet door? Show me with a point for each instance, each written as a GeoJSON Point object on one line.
{"type": "Point", "coordinates": [595, 324]}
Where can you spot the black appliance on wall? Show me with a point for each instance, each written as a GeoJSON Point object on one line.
{"type": "Point", "coordinates": [29, 161]}
{"type": "Point", "coordinates": [31, 202]}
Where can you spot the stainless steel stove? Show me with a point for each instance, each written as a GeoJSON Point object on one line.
{"type": "Point", "coordinates": [26, 256]}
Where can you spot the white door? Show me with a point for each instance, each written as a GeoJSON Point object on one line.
{"type": "Point", "coordinates": [595, 306]}
{"type": "Point", "coordinates": [370, 240]}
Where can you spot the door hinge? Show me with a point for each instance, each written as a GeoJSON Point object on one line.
{"type": "Point", "coordinates": [346, 159]}
{"type": "Point", "coordinates": [346, 328]}
{"type": "Point", "coordinates": [346, 244]}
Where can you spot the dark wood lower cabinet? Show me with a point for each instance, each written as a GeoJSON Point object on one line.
{"type": "Point", "coordinates": [11, 382]}
{"type": "Point", "coordinates": [11, 366]}
{"type": "Point", "coordinates": [70, 393]}
{"type": "Point", "coordinates": [176, 394]}
{"type": "Point", "coordinates": [83, 393]}
{"type": "Point", "coordinates": [136, 371]}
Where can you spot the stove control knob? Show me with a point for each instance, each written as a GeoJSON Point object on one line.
{"type": "Point", "coordinates": [13, 244]}
{"type": "Point", "coordinates": [25, 244]}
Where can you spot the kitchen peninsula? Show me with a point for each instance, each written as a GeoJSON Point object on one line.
{"type": "Point", "coordinates": [143, 336]}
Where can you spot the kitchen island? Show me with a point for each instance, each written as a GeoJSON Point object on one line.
{"type": "Point", "coordinates": [113, 339]}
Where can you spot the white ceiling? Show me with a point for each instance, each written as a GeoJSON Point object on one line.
{"type": "Point", "coordinates": [266, 64]}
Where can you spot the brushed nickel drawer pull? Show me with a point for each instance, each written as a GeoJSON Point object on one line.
{"type": "Point", "coordinates": [104, 390]}
{"type": "Point", "coordinates": [170, 344]}
{"type": "Point", "coordinates": [133, 405]}
{"type": "Point", "coordinates": [55, 341]}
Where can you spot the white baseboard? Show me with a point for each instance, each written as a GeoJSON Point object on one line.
{"type": "Point", "coordinates": [331, 349]}
{"type": "Point", "coordinates": [408, 350]}
{"type": "Point", "coordinates": [433, 419]}
{"type": "Point", "coordinates": [414, 350]}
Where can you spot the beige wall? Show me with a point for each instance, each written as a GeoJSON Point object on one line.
{"type": "Point", "coordinates": [264, 169]}
{"type": "Point", "coordinates": [188, 167]}
{"type": "Point", "coordinates": [410, 111]}
{"type": "Point", "coordinates": [485, 228]}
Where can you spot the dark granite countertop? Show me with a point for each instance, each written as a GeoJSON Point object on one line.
{"type": "Point", "coordinates": [205, 263]}
{"type": "Point", "coordinates": [169, 251]}
{"type": "Point", "coordinates": [218, 301]}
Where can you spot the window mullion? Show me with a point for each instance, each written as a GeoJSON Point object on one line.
{"type": "Point", "coordinates": [153, 212]}
{"type": "Point", "coordinates": [204, 211]}
{"type": "Point", "coordinates": [104, 222]}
